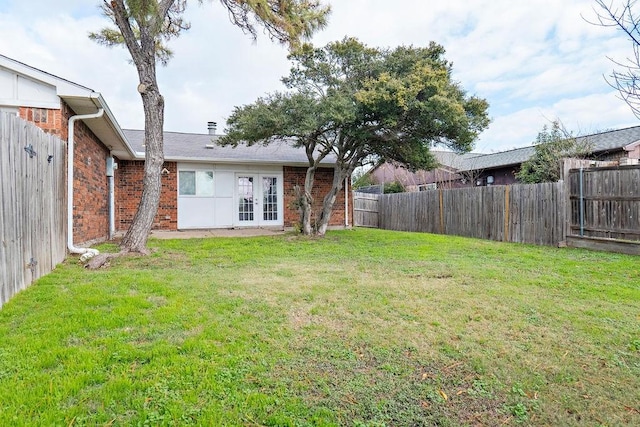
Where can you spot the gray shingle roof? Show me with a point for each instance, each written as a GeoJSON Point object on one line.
{"type": "Point", "coordinates": [193, 147]}
{"type": "Point", "coordinates": [612, 140]}
{"type": "Point", "coordinates": [451, 159]}
{"type": "Point", "coordinates": [503, 158]}
{"type": "Point", "coordinates": [600, 143]}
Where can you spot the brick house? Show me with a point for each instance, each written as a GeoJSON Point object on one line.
{"type": "Point", "coordinates": [209, 186]}
{"type": "Point", "coordinates": [203, 185]}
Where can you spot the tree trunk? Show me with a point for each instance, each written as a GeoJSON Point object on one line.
{"type": "Point", "coordinates": [306, 202]}
{"type": "Point", "coordinates": [135, 240]}
{"type": "Point", "coordinates": [330, 199]}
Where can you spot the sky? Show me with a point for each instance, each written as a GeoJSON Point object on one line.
{"type": "Point", "coordinates": [533, 61]}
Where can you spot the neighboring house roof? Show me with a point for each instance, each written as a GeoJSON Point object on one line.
{"type": "Point", "coordinates": [451, 159]}
{"type": "Point", "coordinates": [603, 142]}
{"type": "Point", "coordinates": [494, 160]}
{"type": "Point", "coordinates": [612, 140]}
{"type": "Point", "coordinates": [449, 163]}
{"type": "Point", "coordinates": [26, 86]}
{"type": "Point", "coordinates": [191, 147]}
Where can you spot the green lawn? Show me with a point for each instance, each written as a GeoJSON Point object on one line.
{"type": "Point", "coordinates": [361, 328]}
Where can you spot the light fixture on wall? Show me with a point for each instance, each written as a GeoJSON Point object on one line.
{"type": "Point", "coordinates": [490, 180]}
{"type": "Point", "coordinates": [165, 171]}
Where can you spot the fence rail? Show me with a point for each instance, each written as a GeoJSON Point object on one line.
{"type": "Point", "coordinates": [32, 204]}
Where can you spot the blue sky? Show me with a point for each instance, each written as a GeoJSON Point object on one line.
{"type": "Point", "coordinates": [534, 61]}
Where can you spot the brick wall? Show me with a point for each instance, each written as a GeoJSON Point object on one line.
{"type": "Point", "coordinates": [90, 185]}
{"type": "Point", "coordinates": [51, 121]}
{"type": "Point", "coordinates": [129, 178]}
{"type": "Point", "coordinates": [294, 176]}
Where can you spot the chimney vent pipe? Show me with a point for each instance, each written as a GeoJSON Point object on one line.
{"type": "Point", "coordinates": [212, 127]}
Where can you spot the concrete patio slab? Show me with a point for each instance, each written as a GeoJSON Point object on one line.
{"type": "Point", "coordinates": [226, 232]}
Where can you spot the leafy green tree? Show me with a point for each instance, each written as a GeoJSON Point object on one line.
{"type": "Point", "coordinates": [551, 146]}
{"type": "Point", "coordinates": [351, 103]}
{"type": "Point", "coordinates": [145, 27]}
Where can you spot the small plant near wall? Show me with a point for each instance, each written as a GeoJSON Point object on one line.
{"type": "Point", "coordinates": [393, 187]}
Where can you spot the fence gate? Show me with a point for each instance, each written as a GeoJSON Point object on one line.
{"type": "Point", "coordinates": [605, 208]}
{"type": "Point", "coordinates": [32, 204]}
{"type": "Point", "coordinates": [365, 209]}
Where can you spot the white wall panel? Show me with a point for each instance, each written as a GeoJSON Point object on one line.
{"type": "Point", "coordinates": [224, 183]}
{"type": "Point", "coordinates": [196, 212]}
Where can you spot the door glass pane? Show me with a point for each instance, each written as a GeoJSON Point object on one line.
{"type": "Point", "coordinates": [270, 198]}
{"type": "Point", "coordinates": [204, 184]}
{"type": "Point", "coordinates": [245, 198]}
{"type": "Point", "coordinates": [187, 180]}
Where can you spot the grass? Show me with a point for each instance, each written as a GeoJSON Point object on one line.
{"type": "Point", "coordinates": [361, 328]}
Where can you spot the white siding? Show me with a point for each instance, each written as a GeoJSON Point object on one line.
{"type": "Point", "coordinates": [220, 210]}
{"type": "Point", "coordinates": [18, 90]}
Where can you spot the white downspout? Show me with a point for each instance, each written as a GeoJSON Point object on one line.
{"type": "Point", "coordinates": [112, 216]}
{"type": "Point", "coordinates": [87, 252]}
{"type": "Point", "coordinates": [346, 202]}
{"type": "Point", "coordinates": [111, 166]}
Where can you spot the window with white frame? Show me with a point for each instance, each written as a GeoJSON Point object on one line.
{"type": "Point", "coordinates": [195, 183]}
{"type": "Point", "coordinates": [270, 198]}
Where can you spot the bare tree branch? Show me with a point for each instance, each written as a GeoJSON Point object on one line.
{"type": "Point", "coordinates": [626, 80]}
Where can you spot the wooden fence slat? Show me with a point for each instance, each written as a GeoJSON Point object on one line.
{"type": "Point", "coordinates": [32, 204]}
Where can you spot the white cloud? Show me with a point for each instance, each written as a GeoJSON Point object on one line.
{"type": "Point", "coordinates": [581, 116]}
{"type": "Point", "coordinates": [533, 61]}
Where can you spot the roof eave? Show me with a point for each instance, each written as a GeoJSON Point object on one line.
{"type": "Point", "coordinates": [240, 161]}
{"type": "Point", "coordinates": [492, 167]}
{"type": "Point", "coordinates": [632, 146]}
{"type": "Point", "coordinates": [114, 139]}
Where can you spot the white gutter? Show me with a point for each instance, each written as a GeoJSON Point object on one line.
{"type": "Point", "coordinates": [102, 105]}
{"type": "Point", "coordinates": [182, 159]}
{"type": "Point", "coordinates": [87, 252]}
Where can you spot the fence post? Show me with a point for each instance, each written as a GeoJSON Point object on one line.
{"type": "Point", "coordinates": [505, 237]}
{"type": "Point", "coordinates": [581, 202]}
{"type": "Point", "coordinates": [441, 212]}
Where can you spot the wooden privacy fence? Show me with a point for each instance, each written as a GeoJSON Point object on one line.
{"type": "Point", "coordinates": [32, 204]}
{"type": "Point", "coordinates": [365, 209]}
{"type": "Point", "coordinates": [519, 213]}
{"type": "Point", "coordinates": [605, 208]}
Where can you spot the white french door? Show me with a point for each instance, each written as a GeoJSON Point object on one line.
{"type": "Point", "coordinates": [258, 199]}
